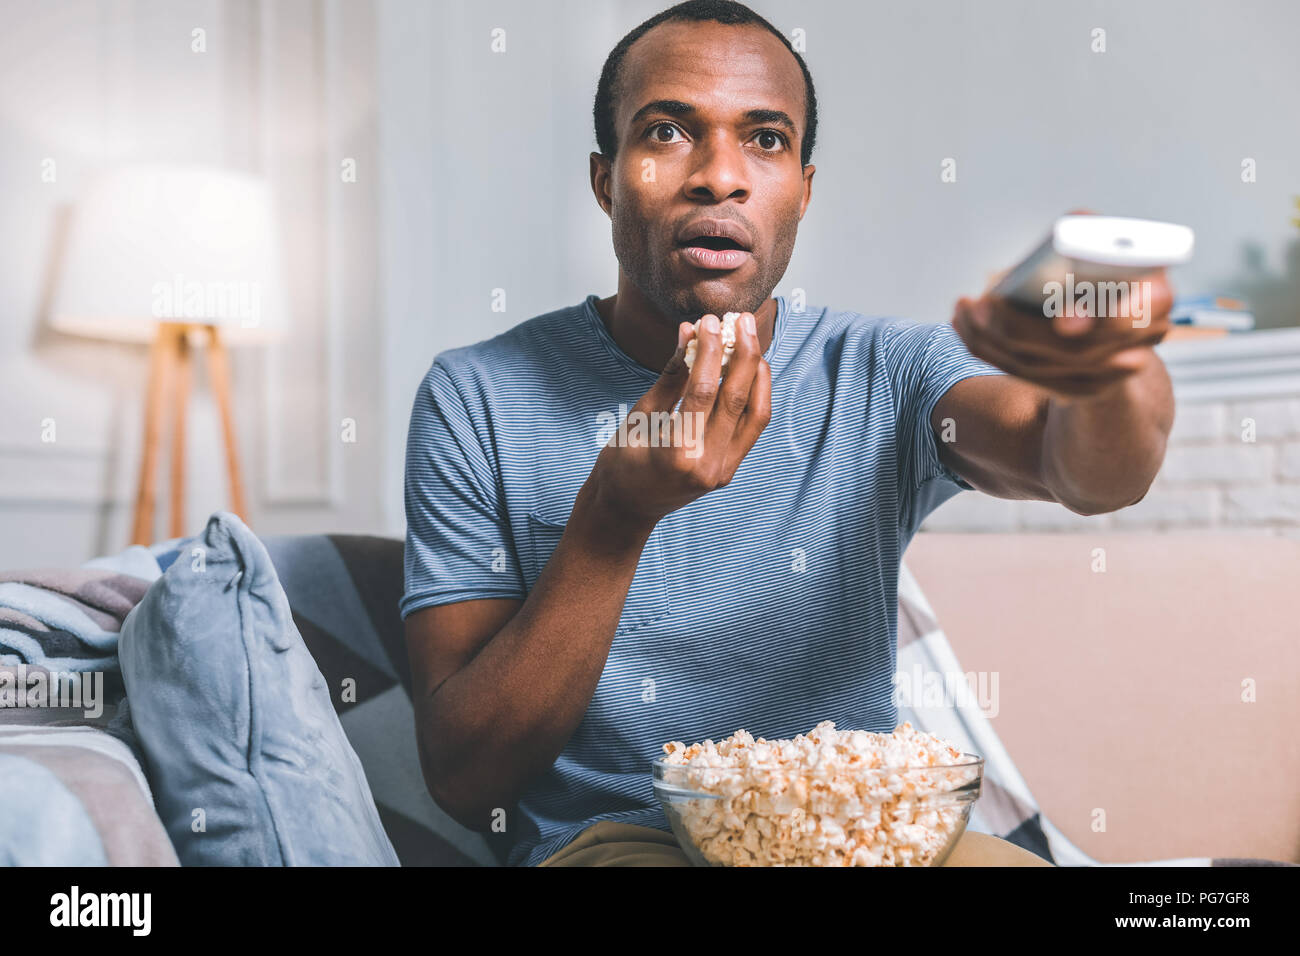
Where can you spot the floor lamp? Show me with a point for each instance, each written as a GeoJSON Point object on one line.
{"type": "Point", "coordinates": [184, 258]}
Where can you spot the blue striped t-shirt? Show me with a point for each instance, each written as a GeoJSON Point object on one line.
{"type": "Point", "coordinates": [769, 605]}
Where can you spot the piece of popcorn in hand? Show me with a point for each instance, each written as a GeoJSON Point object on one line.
{"type": "Point", "coordinates": [728, 339]}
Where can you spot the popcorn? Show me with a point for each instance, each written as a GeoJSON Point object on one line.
{"type": "Point", "coordinates": [828, 798]}
{"type": "Point", "coordinates": [728, 339]}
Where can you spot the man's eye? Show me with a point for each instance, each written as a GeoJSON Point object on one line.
{"type": "Point", "coordinates": [654, 132]}
{"type": "Point", "coordinates": [775, 138]}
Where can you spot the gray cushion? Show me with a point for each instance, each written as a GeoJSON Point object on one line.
{"type": "Point", "coordinates": [249, 764]}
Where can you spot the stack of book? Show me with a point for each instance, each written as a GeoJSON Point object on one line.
{"type": "Point", "coordinates": [1210, 315]}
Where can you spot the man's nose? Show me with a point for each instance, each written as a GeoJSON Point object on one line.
{"type": "Point", "coordinates": [719, 171]}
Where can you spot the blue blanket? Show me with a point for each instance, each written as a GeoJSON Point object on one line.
{"type": "Point", "coordinates": [68, 619]}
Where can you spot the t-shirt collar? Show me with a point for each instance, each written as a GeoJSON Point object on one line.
{"type": "Point", "coordinates": [650, 375]}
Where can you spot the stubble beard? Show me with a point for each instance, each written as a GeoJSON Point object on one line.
{"type": "Point", "coordinates": [654, 278]}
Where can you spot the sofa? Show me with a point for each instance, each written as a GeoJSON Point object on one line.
{"type": "Point", "coordinates": [1164, 690]}
{"type": "Point", "coordinates": [1147, 705]}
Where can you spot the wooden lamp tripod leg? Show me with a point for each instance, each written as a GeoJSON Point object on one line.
{"type": "Point", "coordinates": [180, 399]}
{"type": "Point", "coordinates": [161, 360]}
{"type": "Point", "coordinates": [170, 371]}
{"type": "Point", "coordinates": [219, 369]}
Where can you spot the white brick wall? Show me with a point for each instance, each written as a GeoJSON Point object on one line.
{"type": "Point", "coordinates": [1264, 505]}
{"type": "Point", "coordinates": [1199, 422]}
{"type": "Point", "coordinates": [1202, 464]}
{"type": "Point", "coordinates": [1276, 418]}
{"type": "Point", "coordinates": [1213, 477]}
{"type": "Point", "coordinates": [1288, 461]}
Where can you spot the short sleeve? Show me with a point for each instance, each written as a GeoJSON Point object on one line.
{"type": "Point", "coordinates": [458, 543]}
{"type": "Point", "coordinates": [924, 361]}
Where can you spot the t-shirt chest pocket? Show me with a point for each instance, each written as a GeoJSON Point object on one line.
{"type": "Point", "coordinates": [647, 598]}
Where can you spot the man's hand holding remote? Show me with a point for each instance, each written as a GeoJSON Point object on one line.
{"type": "Point", "coordinates": [1077, 354]}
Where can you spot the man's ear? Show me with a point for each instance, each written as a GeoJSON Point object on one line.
{"type": "Point", "coordinates": [601, 176]}
{"type": "Point", "coordinates": [807, 188]}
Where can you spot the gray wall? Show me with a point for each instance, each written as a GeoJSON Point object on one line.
{"type": "Point", "coordinates": [473, 176]}
{"type": "Point", "coordinates": [1155, 126]}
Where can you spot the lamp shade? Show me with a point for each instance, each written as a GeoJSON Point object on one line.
{"type": "Point", "coordinates": [153, 244]}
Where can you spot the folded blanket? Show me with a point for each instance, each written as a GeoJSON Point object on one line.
{"type": "Point", "coordinates": [68, 619]}
{"type": "Point", "coordinates": [73, 796]}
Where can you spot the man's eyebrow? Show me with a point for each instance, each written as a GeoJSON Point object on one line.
{"type": "Point", "coordinates": [775, 117]}
{"type": "Point", "coordinates": [678, 108]}
{"type": "Point", "coordinates": [671, 107]}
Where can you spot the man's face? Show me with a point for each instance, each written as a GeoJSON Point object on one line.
{"type": "Point", "coordinates": [700, 119]}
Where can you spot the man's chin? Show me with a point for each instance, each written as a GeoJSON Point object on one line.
{"type": "Point", "coordinates": [715, 296]}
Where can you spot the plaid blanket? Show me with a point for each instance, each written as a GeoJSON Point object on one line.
{"type": "Point", "coordinates": [344, 591]}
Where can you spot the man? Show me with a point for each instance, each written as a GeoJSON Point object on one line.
{"type": "Point", "coordinates": [577, 596]}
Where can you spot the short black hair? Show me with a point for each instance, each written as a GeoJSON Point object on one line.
{"type": "Point", "coordinates": [719, 11]}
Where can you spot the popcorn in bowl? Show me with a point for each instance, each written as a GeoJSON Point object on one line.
{"type": "Point", "coordinates": [827, 798]}
{"type": "Point", "coordinates": [728, 340]}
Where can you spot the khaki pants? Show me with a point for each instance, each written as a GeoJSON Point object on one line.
{"type": "Point", "coordinates": [624, 844]}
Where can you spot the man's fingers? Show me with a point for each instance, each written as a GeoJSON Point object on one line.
{"type": "Point", "coordinates": [667, 389]}
{"type": "Point", "coordinates": [701, 389]}
{"type": "Point", "coordinates": [1084, 357]}
{"type": "Point", "coordinates": [733, 396]}
{"type": "Point", "coordinates": [758, 412]}
{"type": "Point", "coordinates": [1072, 322]}
{"type": "Point", "coordinates": [1047, 372]}
{"type": "Point", "coordinates": [1029, 337]}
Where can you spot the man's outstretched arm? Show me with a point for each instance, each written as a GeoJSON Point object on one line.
{"type": "Point", "coordinates": [1083, 415]}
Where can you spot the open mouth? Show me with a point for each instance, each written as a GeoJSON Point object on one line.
{"type": "Point", "coordinates": [714, 253]}
{"type": "Point", "coordinates": [716, 243]}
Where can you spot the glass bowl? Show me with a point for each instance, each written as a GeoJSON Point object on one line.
{"type": "Point", "coordinates": [781, 817]}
